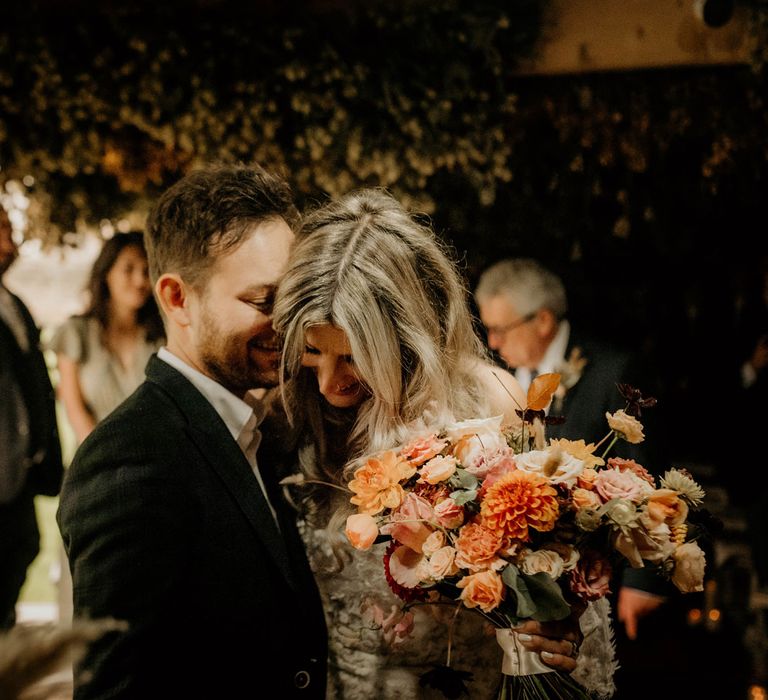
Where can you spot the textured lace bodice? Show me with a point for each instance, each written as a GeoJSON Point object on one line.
{"type": "Point", "coordinates": [361, 663]}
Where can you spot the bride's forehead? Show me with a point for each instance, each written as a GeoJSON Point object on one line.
{"type": "Point", "coordinates": [329, 338]}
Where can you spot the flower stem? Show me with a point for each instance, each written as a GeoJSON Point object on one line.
{"type": "Point", "coordinates": [611, 444]}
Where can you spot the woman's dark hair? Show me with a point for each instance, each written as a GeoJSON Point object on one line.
{"type": "Point", "coordinates": [98, 308]}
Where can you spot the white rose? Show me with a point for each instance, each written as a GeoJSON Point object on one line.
{"type": "Point", "coordinates": [543, 560]}
{"type": "Point", "coordinates": [690, 562]}
{"type": "Point", "coordinates": [622, 512]}
{"type": "Point", "coordinates": [477, 426]}
{"type": "Point", "coordinates": [442, 563]}
{"type": "Point", "coordinates": [434, 542]}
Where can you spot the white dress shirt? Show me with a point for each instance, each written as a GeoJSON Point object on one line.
{"type": "Point", "coordinates": [242, 418]}
{"type": "Point", "coordinates": [553, 359]}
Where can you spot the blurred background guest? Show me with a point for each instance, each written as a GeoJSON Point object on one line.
{"type": "Point", "coordinates": [102, 353]}
{"type": "Point", "coordinates": [30, 453]}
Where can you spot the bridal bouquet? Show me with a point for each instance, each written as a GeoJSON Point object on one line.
{"type": "Point", "coordinates": [515, 528]}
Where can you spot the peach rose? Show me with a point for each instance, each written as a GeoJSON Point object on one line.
{"type": "Point", "coordinates": [449, 514]}
{"type": "Point", "coordinates": [666, 506]}
{"type": "Point", "coordinates": [423, 449]}
{"type": "Point", "coordinates": [586, 479]}
{"type": "Point", "coordinates": [484, 590]}
{"type": "Point", "coordinates": [438, 469]}
{"type": "Point", "coordinates": [361, 530]}
{"type": "Point", "coordinates": [585, 499]}
{"type": "Point", "coordinates": [690, 562]}
{"type": "Point", "coordinates": [477, 547]}
{"type": "Point", "coordinates": [626, 426]}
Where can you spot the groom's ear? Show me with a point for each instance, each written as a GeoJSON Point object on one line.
{"type": "Point", "coordinates": [173, 296]}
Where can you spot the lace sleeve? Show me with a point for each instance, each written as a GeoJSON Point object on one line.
{"type": "Point", "coordinates": [597, 663]}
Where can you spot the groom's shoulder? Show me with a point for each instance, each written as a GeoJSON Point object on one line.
{"type": "Point", "coordinates": [148, 421]}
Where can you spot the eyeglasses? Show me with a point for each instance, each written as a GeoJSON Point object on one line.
{"type": "Point", "coordinates": [501, 330]}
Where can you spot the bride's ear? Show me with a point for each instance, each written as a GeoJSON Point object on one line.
{"type": "Point", "coordinates": [173, 296]}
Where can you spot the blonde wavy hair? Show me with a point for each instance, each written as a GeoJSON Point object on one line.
{"type": "Point", "coordinates": [365, 265]}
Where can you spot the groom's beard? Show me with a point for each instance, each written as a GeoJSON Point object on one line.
{"type": "Point", "coordinates": [239, 361]}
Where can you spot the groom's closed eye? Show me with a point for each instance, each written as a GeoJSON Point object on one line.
{"type": "Point", "coordinates": [263, 302]}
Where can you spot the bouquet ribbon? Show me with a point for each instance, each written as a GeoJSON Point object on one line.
{"type": "Point", "coordinates": [519, 661]}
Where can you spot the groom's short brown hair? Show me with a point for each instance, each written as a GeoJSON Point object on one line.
{"type": "Point", "coordinates": [207, 212]}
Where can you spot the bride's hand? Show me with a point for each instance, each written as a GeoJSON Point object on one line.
{"type": "Point", "coordinates": [556, 642]}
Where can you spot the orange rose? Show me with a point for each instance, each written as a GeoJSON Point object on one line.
{"type": "Point", "coordinates": [484, 590]}
{"type": "Point", "coordinates": [665, 506]}
{"type": "Point", "coordinates": [477, 547]}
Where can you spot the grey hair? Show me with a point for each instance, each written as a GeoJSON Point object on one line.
{"type": "Point", "coordinates": [365, 265]}
{"type": "Point", "coordinates": [526, 284]}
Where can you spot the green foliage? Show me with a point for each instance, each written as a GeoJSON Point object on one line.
{"type": "Point", "coordinates": [104, 109]}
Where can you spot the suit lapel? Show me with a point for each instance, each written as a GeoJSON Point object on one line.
{"type": "Point", "coordinates": [209, 433]}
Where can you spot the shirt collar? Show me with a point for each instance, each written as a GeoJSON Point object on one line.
{"type": "Point", "coordinates": [235, 412]}
{"type": "Point", "coordinates": [554, 356]}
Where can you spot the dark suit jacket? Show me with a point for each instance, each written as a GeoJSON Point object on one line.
{"type": "Point", "coordinates": [586, 403]}
{"type": "Point", "coordinates": [32, 423]}
{"type": "Point", "coordinates": [166, 528]}
{"type": "Point", "coordinates": [30, 455]}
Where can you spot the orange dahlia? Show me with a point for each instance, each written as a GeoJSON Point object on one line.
{"type": "Point", "coordinates": [517, 501]}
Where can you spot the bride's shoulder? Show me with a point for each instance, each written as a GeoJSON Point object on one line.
{"type": "Point", "coordinates": [505, 395]}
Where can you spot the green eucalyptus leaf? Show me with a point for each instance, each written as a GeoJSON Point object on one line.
{"type": "Point", "coordinates": [462, 497]}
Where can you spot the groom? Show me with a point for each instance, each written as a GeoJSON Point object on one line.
{"type": "Point", "coordinates": [169, 521]}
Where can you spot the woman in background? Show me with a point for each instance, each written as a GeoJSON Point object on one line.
{"type": "Point", "coordinates": [102, 353]}
{"type": "Point", "coordinates": [379, 342]}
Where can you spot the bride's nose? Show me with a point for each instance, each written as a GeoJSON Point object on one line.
{"type": "Point", "coordinates": [328, 376]}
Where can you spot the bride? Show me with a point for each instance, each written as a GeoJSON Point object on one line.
{"type": "Point", "coordinates": [378, 340]}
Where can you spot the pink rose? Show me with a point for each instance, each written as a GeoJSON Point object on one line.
{"type": "Point", "coordinates": [438, 469]}
{"type": "Point", "coordinates": [502, 467]}
{"type": "Point", "coordinates": [410, 522]}
{"type": "Point", "coordinates": [612, 483]}
{"type": "Point", "coordinates": [478, 454]}
{"type": "Point", "coordinates": [449, 514]}
{"type": "Point", "coordinates": [632, 466]}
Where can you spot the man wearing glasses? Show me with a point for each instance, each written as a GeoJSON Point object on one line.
{"type": "Point", "coordinates": [523, 307]}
